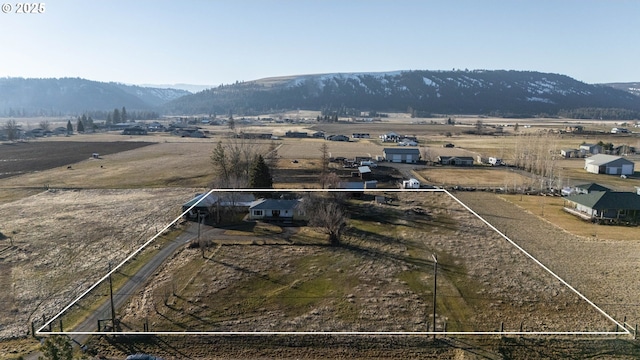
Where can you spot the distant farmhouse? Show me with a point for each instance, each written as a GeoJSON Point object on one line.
{"type": "Point", "coordinates": [456, 160]}
{"type": "Point", "coordinates": [337, 138]}
{"type": "Point", "coordinates": [608, 164]}
{"type": "Point", "coordinates": [134, 130]}
{"type": "Point", "coordinates": [211, 206]}
{"type": "Point", "coordinates": [590, 149]}
{"type": "Point", "coordinates": [401, 155]}
{"type": "Point", "coordinates": [583, 189]}
{"type": "Point", "coordinates": [296, 134]}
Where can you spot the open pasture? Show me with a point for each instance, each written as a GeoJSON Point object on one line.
{"type": "Point", "coordinates": [491, 177]}
{"type": "Point", "coordinates": [155, 165]}
{"type": "Point", "coordinates": [379, 279]}
{"type": "Point", "coordinates": [62, 241]}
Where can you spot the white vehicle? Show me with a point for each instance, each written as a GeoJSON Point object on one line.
{"type": "Point", "coordinates": [370, 164]}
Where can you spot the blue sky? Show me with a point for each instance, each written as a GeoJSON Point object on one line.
{"type": "Point", "coordinates": [215, 42]}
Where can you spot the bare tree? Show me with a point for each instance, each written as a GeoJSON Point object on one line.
{"type": "Point", "coordinates": [327, 214]}
{"type": "Point", "coordinates": [324, 163]}
{"type": "Point", "coordinates": [271, 157]}
{"type": "Point", "coordinates": [45, 125]}
{"type": "Point", "coordinates": [11, 130]}
{"type": "Point", "coordinates": [428, 155]}
{"type": "Point", "coordinates": [479, 125]}
{"type": "Point", "coordinates": [232, 163]}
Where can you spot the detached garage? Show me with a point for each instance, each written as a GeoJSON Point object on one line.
{"type": "Point", "coordinates": [608, 164]}
{"type": "Point", "coordinates": [401, 155]}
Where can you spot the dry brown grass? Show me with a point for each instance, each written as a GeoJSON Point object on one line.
{"type": "Point", "coordinates": [63, 241]}
{"type": "Point", "coordinates": [378, 280]}
{"type": "Point", "coordinates": [474, 176]}
{"type": "Point", "coordinates": [550, 209]}
{"type": "Point", "coordinates": [162, 164]}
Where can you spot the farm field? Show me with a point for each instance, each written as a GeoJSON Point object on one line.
{"type": "Point", "coordinates": [118, 200]}
{"type": "Point", "coordinates": [602, 268]}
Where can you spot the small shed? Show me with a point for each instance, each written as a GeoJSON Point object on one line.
{"type": "Point", "coordinates": [411, 184]}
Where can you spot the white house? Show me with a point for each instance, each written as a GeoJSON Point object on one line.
{"type": "Point", "coordinates": [608, 164]}
{"type": "Point", "coordinates": [273, 209]}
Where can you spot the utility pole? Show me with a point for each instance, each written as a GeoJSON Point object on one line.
{"type": "Point", "coordinates": [435, 286]}
{"type": "Point", "coordinates": [113, 309]}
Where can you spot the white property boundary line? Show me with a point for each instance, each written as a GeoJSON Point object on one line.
{"type": "Point", "coordinates": [624, 330]}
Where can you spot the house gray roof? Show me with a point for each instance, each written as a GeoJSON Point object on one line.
{"type": "Point", "coordinates": [602, 159]}
{"type": "Point", "coordinates": [401, 150]}
{"type": "Point", "coordinates": [237, 199]}
{"type": "Point", "coordinates": [602, 200]}
{"type": "Point", "coordinates": [274, 204]}
{"type": "Point", "coordinates": [466, 158]}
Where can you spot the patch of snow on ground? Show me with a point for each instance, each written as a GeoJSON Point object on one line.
{"type": "Point", "coordinates": [539, 99]}
{"type": "Point", "coordinates": [429, 82]}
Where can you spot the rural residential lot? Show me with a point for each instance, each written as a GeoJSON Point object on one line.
{"type": "Point", "coordinates": [68, 215]}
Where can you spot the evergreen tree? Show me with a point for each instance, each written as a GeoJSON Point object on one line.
{"type": "Point", "coordinates": [69, 128]}
{"type": "Point", "coordinates": [109, 120]}
{"type": "Point", "coordinates": [123, 115]}
{"type": "Point", "coordinates": [117, 118]}
{"type": "Point", "coordinates": [80, 125]}
{"type": "Point", "coordinates": [260, 176]}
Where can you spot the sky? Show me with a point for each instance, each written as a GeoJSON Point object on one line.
{"type": "Point", "coordinates": [213, 42]}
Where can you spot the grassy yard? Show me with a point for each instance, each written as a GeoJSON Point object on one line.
{"type": "Point", "coordinates": [550, 209]}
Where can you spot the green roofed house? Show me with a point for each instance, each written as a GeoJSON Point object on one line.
{"type": "Point", "coordinates": [605, 205]}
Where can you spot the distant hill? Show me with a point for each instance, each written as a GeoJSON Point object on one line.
{"type": "Point", "coordinates": [70, 96]}
{"type": "Point", "coordinates": [424, 93]}
{"type": "Point", "coordinates": [632, 87]}
{"type": "Point", "coordinates": [498, 93]}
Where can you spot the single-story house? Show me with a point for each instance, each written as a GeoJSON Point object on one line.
{"type": "Point", "coordinates": [583, 189]}
{"type": "Point", "coordinates": [617, 130]}
{"type": "Point", "coordinates": [401, 155]}
{"type": "Point", "coordinates": [456, 160]}
{"type": "Point", "coordinates": [608, 164]}
{"type": "Point", "coordinates": [338, 138]}
{"type": "Point", "coordinates": [407, 142]}
{"type": "Point", "coordinates": [211, 202]}
{"type": "Point", "coordinates": [360, 135]}
{"type": "Point", "coordinates": [569, 153]}
{"type": "Point", "coordinates": [609, 205]}
{"type": "Point", "coordinates": [296, 134]}
{"type": "Point", "coordinates": [136, 130]}
{"type": "Point", "coordinates": [389, 137]}
{"type": "Point", "coordinates": [273, 209]}
{"type": "Point", "coordinates": [590, 149]}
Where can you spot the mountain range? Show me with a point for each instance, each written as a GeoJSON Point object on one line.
{"type": "Point", "coordinates": [484, 92]}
